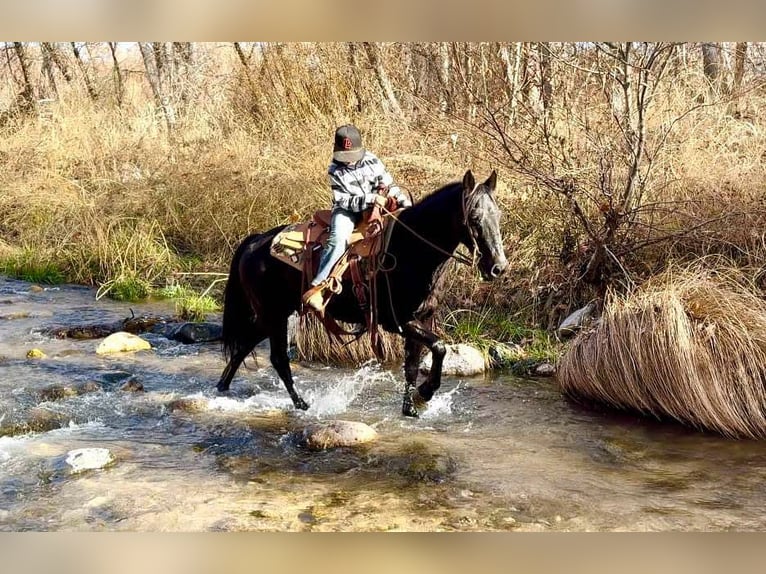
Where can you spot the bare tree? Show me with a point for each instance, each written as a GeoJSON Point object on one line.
{"type": "Point", "coordinates": [55, 55]}
{"type": "Point", "coordinates": [119, 83]}
{"type": "Point", "coordinates": [155, 63]}
{"type": "Point", "coordinates": [84, 70]}
{"type": "Point", "coordinates": [374, 55]}
{"type": "Point", "coordinates": [28, 96]}
{"type": "Point", "coordinates": [711, 66]}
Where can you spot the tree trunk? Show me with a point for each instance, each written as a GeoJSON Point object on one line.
{"type": "Point", "coordinates": [47, 65]}
{"type": "Point", "coordinates": [153, 64]}
{"type": "Point", "coordinates": [28, 98]}
{"type": "Point", "coordinates": [740, 55]}
{"type": "Point", "coordinates": [353, 62]}
{"type": "Point", "coordinates": [183, 68]}
{"type": "Point", "coordinates": [711, 66]}
{"type": "Point", "coordinates": [373, 53]}
{"type": "Point", "coordinates": [58, 59]}
{"type": "Point", "coordinates": [255, 105]}
{"type": "Point", "coordinates": [546, 88]}
{"type": "Point", "coordinates": [119, 84]}
{"type": "Point", "coordinates": [443, 67]}
{"type": "Point", "coordinates": [92, 92]}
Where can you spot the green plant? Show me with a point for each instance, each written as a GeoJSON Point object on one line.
{"type": "Point", "coordinates": [190, 305]}
{"type": "Point", "coordinates": [126, 288]}
{"type": "Point", "coordinates": [32, 266]}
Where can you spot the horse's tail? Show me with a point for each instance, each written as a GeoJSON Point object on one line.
{"type": "Point", "coordinates": [238, 314]}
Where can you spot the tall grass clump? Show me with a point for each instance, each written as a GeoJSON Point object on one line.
{"type": "Point", "coordinates": [314, 343]}
{"type": "Point", "coordinates": [33, 265]}
{"type": "Point", "coordinates": [688, 346]}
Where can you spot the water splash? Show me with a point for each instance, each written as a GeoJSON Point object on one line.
{"type": "Point", "coordinates": [338, 395]}
{"type": "Point", "coordinates": [262, 401]}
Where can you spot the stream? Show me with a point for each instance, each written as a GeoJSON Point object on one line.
{"type": "Point", "coordinates": [490, 453]}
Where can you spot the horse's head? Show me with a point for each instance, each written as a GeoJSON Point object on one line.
{"type": "Point", "coordinates": [482, 224]}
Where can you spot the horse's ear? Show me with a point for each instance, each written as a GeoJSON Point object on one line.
{"type": "Point", "coordinates": [491, 182]}
{"type": "Point", "coordinates": [469, 182]}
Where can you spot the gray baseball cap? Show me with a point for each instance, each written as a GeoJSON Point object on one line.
{"type": "Point", "coordinates": [348, 144]}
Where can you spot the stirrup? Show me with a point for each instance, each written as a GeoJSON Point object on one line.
{"type": "Point", "coordinates": [314, 298]}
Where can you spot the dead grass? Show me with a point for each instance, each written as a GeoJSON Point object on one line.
{"type": "Point", "coordinates": [690, 346]}
{"type": "Point", "coordinates": [313, 343]}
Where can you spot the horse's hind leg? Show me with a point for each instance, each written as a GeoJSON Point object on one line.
{"type": "Point", "coordinates": [281, 362]}
{"type": "Point", "coordinates": [244, 348]}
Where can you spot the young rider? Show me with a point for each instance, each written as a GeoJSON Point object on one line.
{"type": "Point", "coordinates": [358, 180]}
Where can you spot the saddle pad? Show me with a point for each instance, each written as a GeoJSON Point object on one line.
{"type": "Point", "coordinates": [294, 242]}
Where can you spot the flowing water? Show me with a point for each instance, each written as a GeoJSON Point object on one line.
{"type": "Point", "coordinates": [492, 453]}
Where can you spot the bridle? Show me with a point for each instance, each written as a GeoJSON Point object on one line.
{"type": "Point", "coordinates": [468, 202]}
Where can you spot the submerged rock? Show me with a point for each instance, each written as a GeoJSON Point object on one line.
{"type": "Point", "coordinates": [42, 420]}
{"type": "Point", "coordinates": [82, 459]}
{"type": "Point", "coordinates": [133, 386]}
{"type": "Point", "coordinates": [57, 392]}
{"type": "Point", "coordinates": [188, 405]}
{"type": "Point", "coordinates": [461, 360]}
{"type": "Point", "coordinates": [121, 342]}
{"type": "Point", "coordinates": [333, 434]}
{"type": "Point", "coordinates": [505, 355]}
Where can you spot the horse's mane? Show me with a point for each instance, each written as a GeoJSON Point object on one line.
{"type": "Point", "coordinates": [437, 195]}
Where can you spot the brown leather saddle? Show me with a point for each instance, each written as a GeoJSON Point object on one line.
{"type": "Point", "coordinates": [300, 246]}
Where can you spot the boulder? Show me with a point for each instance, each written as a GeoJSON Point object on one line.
{"type": "Point", "coordinates": [197, 333]}
{"type": "Point", "coordinates": [122, 342]}
{"type": "Point", "coordinates": [576, 321]}
{"type": "Point", "coordinates": [461, 360]}
{"type": "Point", "coordinates": [544, 370]}
{"type": "Point", "coordinates": [82, 459]}
{"type": "Point", "coordinates": [333, 434]}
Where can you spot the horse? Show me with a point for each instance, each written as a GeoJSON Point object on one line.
{"type": "Point", "coordinates": [262, 292]}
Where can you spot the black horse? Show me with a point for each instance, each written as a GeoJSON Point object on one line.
{"type": "Point", "coordinates": [263, 292]}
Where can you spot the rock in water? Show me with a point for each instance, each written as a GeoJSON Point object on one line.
{"type": "Point", "coordinates": [121, 342]}
{"type": "Point", "coordinates": [36, 354]}
{"type": "Point", "coordinates": [198, 333]}
{"type": "Point", "coordinates": [88, 459]}
{"type": "Point", "coordinates": [333, 434]}
{"type": "Point", "coordinates": [461, 360]}
{"type": "Point", "coordinates": [576, 321]}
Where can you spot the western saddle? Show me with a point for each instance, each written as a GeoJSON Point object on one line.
{"type": "Point", "coordinates": [300, 246]}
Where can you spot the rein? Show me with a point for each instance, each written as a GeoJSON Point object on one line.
{"type": "Point", "coordinates": [456, 256]}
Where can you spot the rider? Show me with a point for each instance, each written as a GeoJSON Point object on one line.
{"type": "Point", "coordinates": [357, 179]}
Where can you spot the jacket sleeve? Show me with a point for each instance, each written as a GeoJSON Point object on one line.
{"type": "Point", "coordinates": [344, 199]}
{"type": "Point", "coordinates": [386, 180]}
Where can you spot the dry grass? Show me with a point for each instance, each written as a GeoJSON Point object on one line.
{"type": "Point", "coordinates": [688, 346]}
{"type": "Point", "coordinates": [315, 344]}
{"type": "Point", "coordinates": [104, 192]}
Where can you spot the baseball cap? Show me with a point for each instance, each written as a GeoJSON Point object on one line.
{"type": "Point", "coordinates": [348, 144]}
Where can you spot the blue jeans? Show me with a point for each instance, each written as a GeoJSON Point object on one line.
{"type": "Point", "coordinates": [341, 227]}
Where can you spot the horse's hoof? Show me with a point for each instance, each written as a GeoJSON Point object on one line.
{"type": "Point", "coordinates": [413, 404]}
{"type": "Point", "coordinates": [300, 404]}
{"type": "Point", "coordinates": [223, 388]}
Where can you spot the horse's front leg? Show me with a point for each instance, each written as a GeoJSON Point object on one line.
{"type": "Point", "coordinates": [418, 335]}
